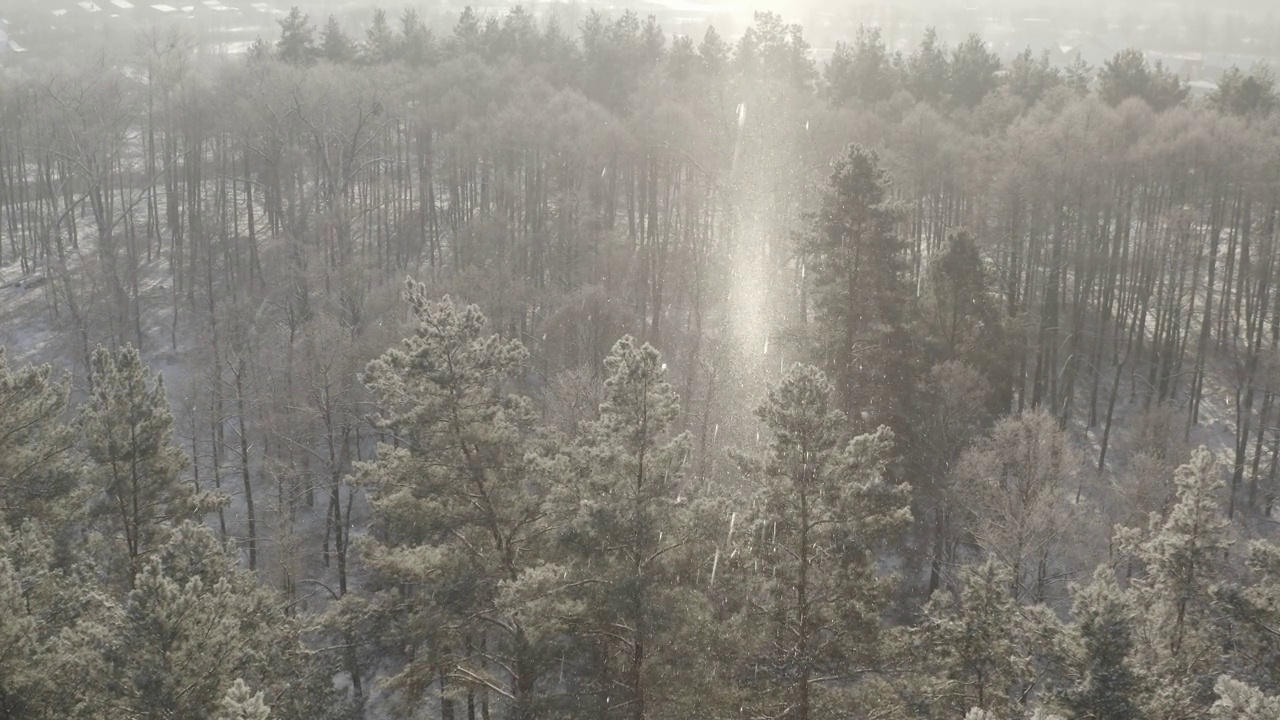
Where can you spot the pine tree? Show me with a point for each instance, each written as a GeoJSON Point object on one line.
{"type": "Point", "coordinates": [928, 68]}
{"type": "Point", "coordinates": [973, 72]}
{"type": "Point", "coordinates": [416, 42]}
{"type": "Point", "coordinates": [335, 45]}
{"type": "Point", "coordinates": [1077, 75]}
{"type": "Point", "coordinates": [1239, 701]}
{"type": "Point", "coordinates": [982, 650]}
{"type": "Point", "coordinates": [241, 703]}
{"type": "Point", "coordinates": [861, 297]}
{"type": "Point", "coordinates": [1251, 94]}
{"type": "Point", "coordinates": [136, 470]}
{"type": "Point", "coordinates": [464, 525]}
{"type": "Point", "coordinates": [1107, 686]}
{"type": "Point", "coordinates": [953, 411]}
{"type": "Point", "coordinates": [622, 524]}
{"type": "Point", "coordinates": [52, 629]}
{"type": "Point", "coordinates": [861, 71]}
{"type": "Point", "coordinates": [714, 52]}
{"type": "Point", "coordinates": [1030, 78]}
{"type": "Point", "coordinates": [379, 47]}
{"type": "Point", "coordinates": [38, 470]}
{"type": "Point", "coordinates": [194, 625]}
{"type": "Point", "coordinates": [962, 316]}
{"type": "Point", "coordinates": [1184, 557]}
{"type": "Point", "coordinates": [826, 511]}
{"type": "Point", "coordinates": [297, 43]}
{"type": "Point", "coordinates": [1128, 75]}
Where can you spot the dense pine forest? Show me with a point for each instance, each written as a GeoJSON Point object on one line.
{"type": "Point", "coordinates": [516, 370]}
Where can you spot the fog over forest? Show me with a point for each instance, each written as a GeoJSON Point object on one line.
{"type": "Point", "coordinates": [684, 359]}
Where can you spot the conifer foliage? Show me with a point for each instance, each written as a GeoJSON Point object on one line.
{"type": "Point", "coordinates": [623, 528]}
{"type": "Point", "coordinates": [859, 264]}
{"type": "Point", "coordinates": [462, 526]}
{"type": "Point", "coordinates": [137, 470]}
{"type": "Point", "coordinates": [826, 509]}
{"type": "Point", "coordinates": [37, 468]}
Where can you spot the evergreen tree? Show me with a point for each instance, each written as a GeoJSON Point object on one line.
{"type": "Point", "coordinates": [1253, 606]}
{"type": "Point", "coordinates": [520, 37]}
{"type": "Point", "coordinates": [778, 51]}
{"type": "Point", "coordinates": [1128, 75]}
{"type": "Point", "coordinates": [861, 71]}
{"type": "Point", "coordinates": [38, 470]}
{"type": "Point", "coordinates": [416, 43]}
{"type": "Point", "coordinates": [714, 52]}
{"type": "Point", "coordinates": [241, 703]}
{"type": "Point", "coordinates": [1107, 686]}
{"type": "Point", "coordinates": [826, 511]}
{"type": "Point", "coordinates": [1243, 94]}
{"type": "Point", "coordinates": [335, 44]}
{"type": "Point", "coordinates": [1124, 76]}
{"type": "Point", "coordinates": [463, 523]}
{"type": "Point", "coordinates": [466, 32]}
{"type": "Point", "coordinates": [861, 297]}
{"type": "Point", "coordinates": [962, 316]}
{"type": "Point", "coordinates": [983, 650]}
{"type": "Point", "coordinates": [53, 630]}
{"type": "Point", "coordinates": [136, 470]}
{"type": "Point", "coordinates": [622, 526]}
{"type": "Point", "coordinates": [297, 43]}
{"type": "Point", "coordinates": [1179, 640]}
{"type": "Point", "coordinates": [559, 52]}
{"type": "Point", "coordinates": [952, 413]}
{"type": "Point", "coordinates": [973, 72]}
{"type": "Point", "coordinates": [259, 51]}
{"type": "Point", "coordinates": [653, 41]}
{"type": "Point", "coordinates": [1078, 75]}
{"type": "Point", "coordinates": [1030, 78]}
{"type": "Point", "coordinates": [194, 625]}
{"type": "Point", "coordinates": [928, 69]}
{"type": "Point", "coordinates": [1239, 701]}
{"type": "Point", "coordinates": [683, 59]}
{"type": "Point", "coordinates": [380, 42]}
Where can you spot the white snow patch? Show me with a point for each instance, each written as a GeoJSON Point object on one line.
{"type": "Point", "coordinates": [164, 8]}
{"type": "Point", "coordinates": [90, 7]}
{"type": "Point", "coordinates": [122, 4]}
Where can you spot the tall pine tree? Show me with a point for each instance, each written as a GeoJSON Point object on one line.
{"type": "Point", "coordinates": [461, 524]}
{"type": "Point", "coordinates": [861, 296]}
{"type": "Point", "coordinates": [1184, 559]}
{"type": "Point", "coordinates": [136, 469]}
{"type": "Point", "coordinates": [826, 511]}
{"type": "Point", "coordinates": [622, 524]}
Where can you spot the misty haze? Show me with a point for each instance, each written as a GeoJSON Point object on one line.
{"type": "Point", "coordinates": [650, 360]}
